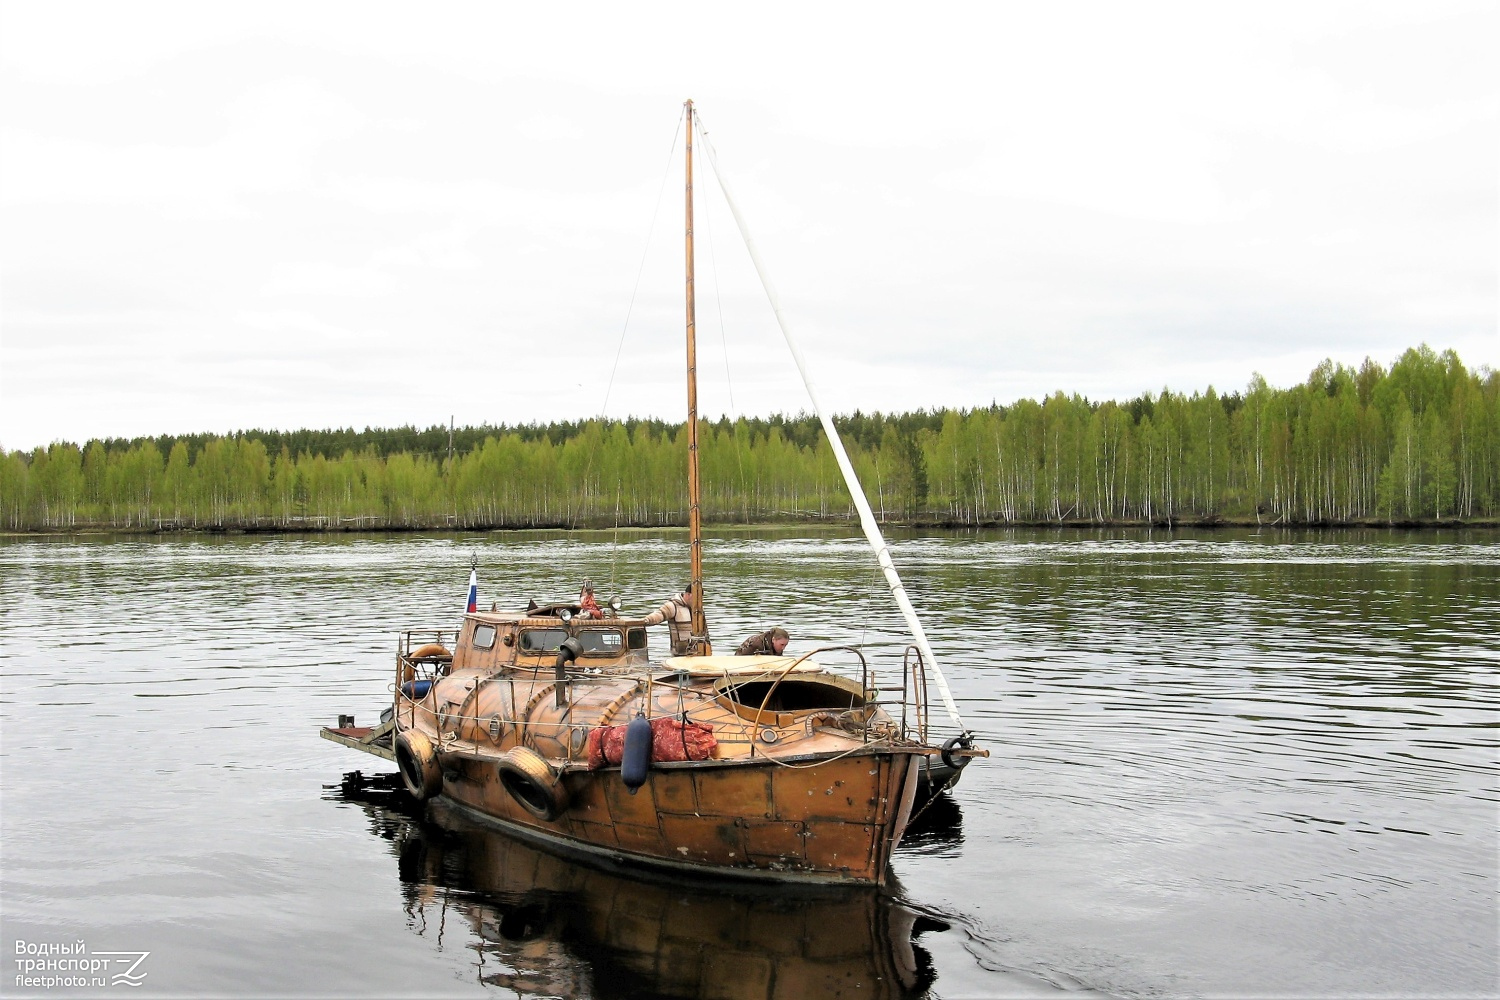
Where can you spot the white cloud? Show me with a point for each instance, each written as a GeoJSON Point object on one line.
{"type": "Point", "coordinates": [317, 278]}
{"type": "Point", "coordinates": [273, 215]}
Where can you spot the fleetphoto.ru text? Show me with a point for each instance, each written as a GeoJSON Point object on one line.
{"type": "Point", "coordinates": [50, 965]}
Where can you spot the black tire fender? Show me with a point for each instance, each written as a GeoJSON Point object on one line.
{"type": "Point", "coordinates": [957, 763]}
{"type": "Point", "coordinates": [418, 764]}
{"type": "Point", "coordinates": [533, 783]}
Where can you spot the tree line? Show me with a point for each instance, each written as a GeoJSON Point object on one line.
{"type": "Point", "coordinates": [1418, 442]}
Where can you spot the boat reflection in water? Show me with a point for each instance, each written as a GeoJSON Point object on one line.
{"type": "Point", "coordinates": [936, 829]}
{"type": "Point", "coordinates": [548, 924]}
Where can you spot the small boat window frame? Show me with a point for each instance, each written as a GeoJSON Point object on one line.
{"type": "Point", "coordinates": [601, 645]}
{"type": "Point", "coordinates": [484, 636]}
{"type": "Point", "coordinates": [552, 636]}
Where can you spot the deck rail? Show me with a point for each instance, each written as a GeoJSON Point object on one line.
{"type": "Point", "coordinates": [410, 668]}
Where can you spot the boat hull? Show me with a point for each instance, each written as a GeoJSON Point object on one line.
{"type": "Point", "coordinates": [816, 820]}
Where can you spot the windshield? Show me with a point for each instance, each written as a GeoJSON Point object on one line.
{"type": "Point", "coordinates": [593, 641]}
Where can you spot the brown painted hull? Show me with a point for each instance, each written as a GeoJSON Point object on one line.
{"type": "Point", "coordinates": [795, 819]}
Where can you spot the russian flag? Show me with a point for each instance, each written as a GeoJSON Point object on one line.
{"type": "Point", "coordinates": [473, 590]}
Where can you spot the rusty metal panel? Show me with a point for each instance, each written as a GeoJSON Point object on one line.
{"type": "Point", "coordinates": [735, 791]}
{"type": "Point", "coordinates": [844, 790]}
{"type": "Point", "coordinates": [843, 794]}
{"type": "Point", "coordinates": [639, 808]}
{"type": "Point", "coordinates": [775, 840]}
{"type": "Point", "coordinates": [645, 839]}
{"type": "Point", "coordinates": [837, 845]}
{"type": "Point", "coordinates": [598, 834]}
{"type": "Point", "coordinates": [675, 791]}
{"type": "Point", "coordinates": [587, 797]}
{"type": "Point", "coordinates": [691, 839]}
{"type": "Point", "coordinates": [888, 798]}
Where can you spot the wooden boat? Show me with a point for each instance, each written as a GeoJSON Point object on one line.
{"type": "Point", "coordinates": [554, 723]}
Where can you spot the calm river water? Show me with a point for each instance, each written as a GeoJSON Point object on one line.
{"type": "Point", "coordinates": [1225, 764]}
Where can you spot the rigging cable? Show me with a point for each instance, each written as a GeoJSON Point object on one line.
{"type": "Point", "coordinates": [713, 266]}
{"type": "Point", "coordinates": [713, 263]}
{"type": "Point", "coordinates": [624, 329]}
{"type": "Point", "coordinates": [866, 516]}
{"type": "Point", "coordinates": [661, 193]}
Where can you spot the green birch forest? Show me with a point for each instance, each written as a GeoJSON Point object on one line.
{"type": "Point", "coordinates": [1418, 442]}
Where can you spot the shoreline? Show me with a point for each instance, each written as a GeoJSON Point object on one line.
{"type": "Point", "coordinates": [820, 524]}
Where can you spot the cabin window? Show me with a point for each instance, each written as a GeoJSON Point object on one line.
{"type": "Point", "coordinates": [542, 640]}
{"type": "Point", "coordinates": [600, 641]}
{"type": "Point", "coordinates": [592, 641]}
{"type": "Point", "coordinates": [484, 636]}
{"type": "Point", "coordinates": [635, 639]}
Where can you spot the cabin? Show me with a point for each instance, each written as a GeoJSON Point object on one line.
{"type": "Point", "coordinates": [493, 640]}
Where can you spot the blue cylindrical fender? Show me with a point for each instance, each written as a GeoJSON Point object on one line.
{"type": "Point", "coordinates": [636, 760]}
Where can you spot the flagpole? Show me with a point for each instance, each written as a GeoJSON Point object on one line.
{"type": "Point", "coordinates": [473, 584]}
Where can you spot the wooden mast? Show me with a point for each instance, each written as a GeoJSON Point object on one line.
{"type": "Point", "coordinates": [695, 520]}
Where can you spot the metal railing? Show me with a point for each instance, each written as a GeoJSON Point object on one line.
{"type": "Point", "coordinates": [426, 668]}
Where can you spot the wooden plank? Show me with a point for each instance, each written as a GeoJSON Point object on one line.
{"type": "Point", "coordinates": [368, 743]}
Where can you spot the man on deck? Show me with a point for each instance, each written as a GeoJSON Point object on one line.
{"type": "Point", "coordinates": [769, 643]}
{"type": "Point", "coordinates": [677, 612]}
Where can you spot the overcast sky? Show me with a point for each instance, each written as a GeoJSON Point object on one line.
{"type": "Point", "coordinates": [228, 216]}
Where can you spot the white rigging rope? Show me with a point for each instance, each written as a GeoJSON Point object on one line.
{"type": "Point", "coordinates": [861, 503]}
